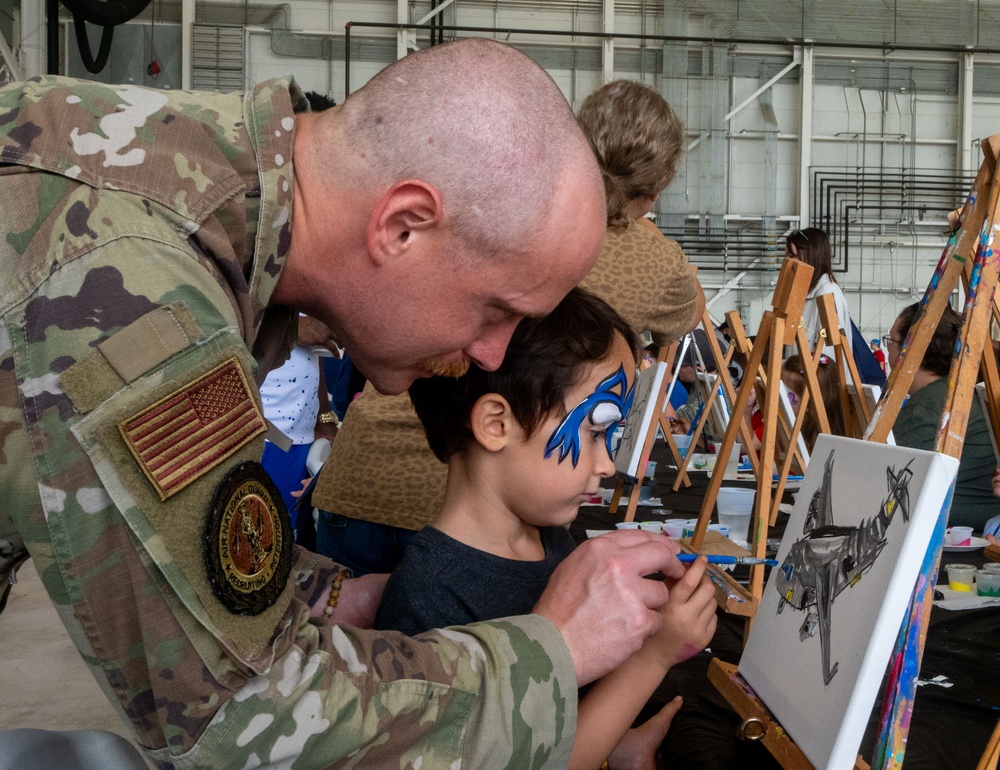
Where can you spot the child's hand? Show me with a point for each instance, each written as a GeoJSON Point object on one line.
{"type": "Point", "coordinates": [688, 617]}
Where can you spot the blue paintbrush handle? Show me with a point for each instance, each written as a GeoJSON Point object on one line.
{"type": "Point", "coordinates": [717, 559]}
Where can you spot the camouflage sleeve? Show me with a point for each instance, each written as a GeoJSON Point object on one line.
{"type": "Point", "coordinates": [211, 654]}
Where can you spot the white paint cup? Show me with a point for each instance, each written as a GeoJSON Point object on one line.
{"type": "Point", "coordinates": [673, 528]}
{"type": "Point", "coordinates": [960, 536]}
{"type": "Point", "coordinates": [627, 525]}
{"type": "Point", "coordinates": [651, 526]}
{"type": "Point", "coordinates": [683, 442]}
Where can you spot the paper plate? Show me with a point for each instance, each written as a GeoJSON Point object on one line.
{"type": "Point", "coordinates": [975, 545]}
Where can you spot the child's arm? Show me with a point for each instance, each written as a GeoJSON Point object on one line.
{"type": "Point", "coordinates": [607, 711]}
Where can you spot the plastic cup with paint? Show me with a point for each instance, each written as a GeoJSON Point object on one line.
{"type": "Point", "coordinates": [733, 463]}
{"type": "Point", "coordinates": [689, 527]}
{"type": "Point", "coordinates": [673, 528]}
{"type": "Point", "coordinates": [735, 506]}
{"type": "Point", "coordinates": [992, 567]}
{"type": "Point", "coordinates": [722, 529]}
{"type": "Point", "coordinates": [683, 443]}
{"type": "Point", "coordinates": [627, 525]}
{"type": "Point", "coordinates": [960, 536]}
{"type": "Point", "coordinates": [960, 576]}
{"type": "Point", "coordinates": [651, 470]}
{"type": "Point", "coordinates": [645, 493]}
{"type": "Point", "coordinates": [987, 583]}
{"type": "Point", "coordinates": [651, 526]}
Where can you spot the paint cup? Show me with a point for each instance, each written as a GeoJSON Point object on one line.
{"type": "Point", "coordinates": [987, 583]}
{"type": "Point", "coordinates": [735, 505]}
{"type": "Point", "coordinates": [689, 527]}
{"type": "Point", "coordinates": [651, 526]}
{"type": "Point", "coordinates": [645, 493]}
{"type": "Point", "coordinates": [650, 470]}
{"type": "Point", "coordinates": [992, 567]}
{"type": "Point", "coordinates": [722, 529]}
{"type": "Point", "coordinates": [733, 463]}
{"type": "Point", "coordinates": [627, 525]}
{"type": "Point", "coordinates": [673, 528]}
{"type": "Point", "coordinates": [960, 536]}
{"type": "Point", "coordinates": [683, 443]}
{"type": "Point", "coordinates": [960, 576]}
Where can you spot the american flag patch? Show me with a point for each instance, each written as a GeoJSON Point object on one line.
{"type": "Point", "coordinates": [195, 428]}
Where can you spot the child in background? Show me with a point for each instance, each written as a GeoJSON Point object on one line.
{"type": "Point", "coordinates": [794, 378]}
{"type": "Point", "coordinates": [795, 381]}
{"type": "Point", "coordinates": [525, 446]}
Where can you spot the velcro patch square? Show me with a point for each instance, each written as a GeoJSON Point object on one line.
{"type": "Point", "coordinates": [190, 431]}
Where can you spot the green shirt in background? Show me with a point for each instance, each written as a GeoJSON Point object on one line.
{"type": "Point", "coordinates": [916, 426]}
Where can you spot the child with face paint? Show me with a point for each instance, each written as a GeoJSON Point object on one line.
{"type": "Point", "coordinates": [525, 446]}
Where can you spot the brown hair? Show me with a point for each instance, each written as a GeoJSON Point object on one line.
{"type": "Point", "coordinates": [829, 388]}
{"type": "Point", "coordinates": [812, 246]}
{"type": "Point", "coordinates": [941, 348]}
{"type": "Point", "coordinates": [637, 139]}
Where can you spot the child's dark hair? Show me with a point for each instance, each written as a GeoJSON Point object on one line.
{"type": "Point", "coordinates": [941, 348]}
{"type": "Point", "coordinates": [544, 360]}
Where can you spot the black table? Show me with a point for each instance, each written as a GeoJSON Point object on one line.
{"type": "Point", "coordinates": [950, 726]}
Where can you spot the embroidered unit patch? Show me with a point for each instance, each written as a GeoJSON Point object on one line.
{"type": "Point", "coordinates": [192, 430]}
{"type": "Point", "coordinates": [248, 541]}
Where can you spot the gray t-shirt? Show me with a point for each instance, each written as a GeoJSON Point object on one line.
{"type": "Point", "coordinates": [442, 582]}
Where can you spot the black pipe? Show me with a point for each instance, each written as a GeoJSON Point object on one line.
{"type": "Point", "coordinates": [52, 36]}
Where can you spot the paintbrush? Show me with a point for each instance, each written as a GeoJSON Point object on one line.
{"type": "Point", "coordinates": [719, 559]}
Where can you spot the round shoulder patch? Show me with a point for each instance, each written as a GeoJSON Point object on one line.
{"type": "Point", "coordinates": [248, 541]}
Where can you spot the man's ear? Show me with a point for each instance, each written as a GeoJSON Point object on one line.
{"type": "Point", "coordinates": [408, 208]}
{"type": "Point", "coordinates": [492, 422]}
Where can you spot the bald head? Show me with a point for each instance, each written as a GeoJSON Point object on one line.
{"type": "Point", "coordinates": [426, 211]}
{"type": "Point", "coordinates": [482, 123]}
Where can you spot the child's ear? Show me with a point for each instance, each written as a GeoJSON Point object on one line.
{"type": "Point", "coordinates": [492, 422]}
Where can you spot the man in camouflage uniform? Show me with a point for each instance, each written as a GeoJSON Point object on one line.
{"type": "Point", "coordinates": [149, 272]}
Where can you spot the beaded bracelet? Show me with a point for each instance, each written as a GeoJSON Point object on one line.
{"type": "Point", "coordinates": [335, 585]}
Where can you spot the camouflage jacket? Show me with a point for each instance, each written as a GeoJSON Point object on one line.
{"type": "Point", "coordinates": [144, 234]}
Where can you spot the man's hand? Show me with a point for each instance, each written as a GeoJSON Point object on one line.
{"type": "Point", "coordinates": [601, 603]}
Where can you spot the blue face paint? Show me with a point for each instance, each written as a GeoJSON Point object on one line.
{"type": "Point", "coordinates": [605, 406]}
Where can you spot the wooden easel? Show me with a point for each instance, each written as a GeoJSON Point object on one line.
{"type": "Point", "coordinates": [727, 391]}
{"type": "Point", "coordinates": [779, 327]}
{"type": "Point", "coordinates": [978, 268]}
{"type": "Point", "coordinates": [788, 431]}
{"type": "Point", "coordinates": [857, 413]}
{"type": "Point", "coordinates": [665, 356]}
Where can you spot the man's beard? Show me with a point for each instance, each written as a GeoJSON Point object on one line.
{"type": "Point", "coordinates": [444, 367]}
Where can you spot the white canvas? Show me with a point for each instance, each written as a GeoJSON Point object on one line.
{"type": "Point", "coordinates": [640, 418]}
{"type": "Point", "coordinates": [869, 555]}
{"type": "Point", "coordinates": [786, 407]}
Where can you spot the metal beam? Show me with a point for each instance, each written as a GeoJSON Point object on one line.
{"type": "Point", "coordinates": [736, 110]}
{"type": "Point", "coordinates": [806, 57]}
{"type": "Point", "coordinates": [608, 43]}
{"type": "Point", "coordinates": [187, 44]}
{"type": "Point", "coordinates": [965, 98]}
{"type": "Point", "coordinates": [13, 68]}
{"type": "Point", "coordinates": [435, 11]}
